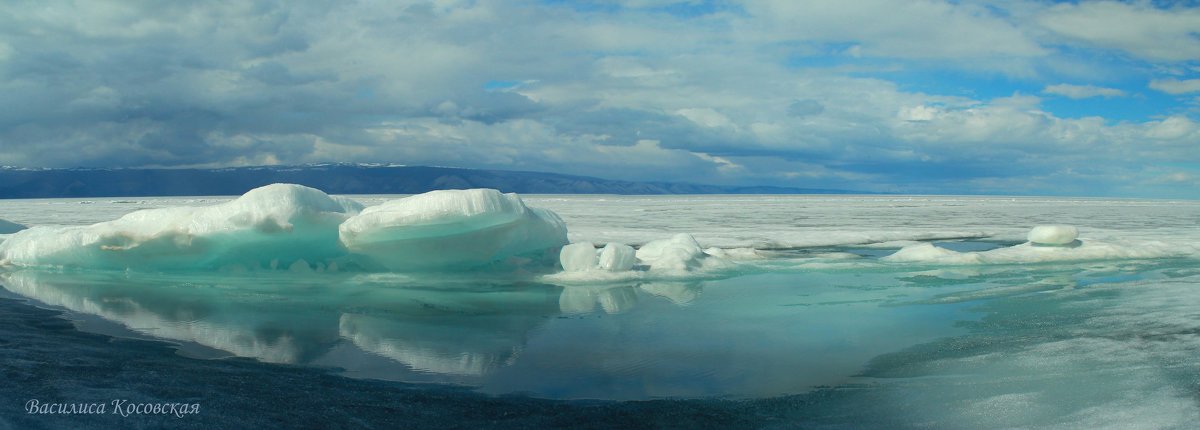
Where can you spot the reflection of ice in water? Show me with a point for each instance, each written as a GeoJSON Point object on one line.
{"type": "Point", "coordinates": [180, 314]}
{"type": "Point", "coordinates": [583, 299]}
{"type": "Point", "coordinates": [614, 299]}
{"type": "Point", "coordinates": [432, 330]}
{"type": "Point", "coordinates": [429, 347]}
{"type": "Point", "coordinates": [680, 293]}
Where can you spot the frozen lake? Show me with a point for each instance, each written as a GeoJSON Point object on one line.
{"type": "Point", "coordinates": [980, 331]}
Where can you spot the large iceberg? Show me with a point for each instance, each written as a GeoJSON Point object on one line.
{"type": "Point", "coordinates": [285, 226]}
{"type": "Point", "coordinates": [452, 229]}
{"type": "Point", "coordinates": [268, 226]}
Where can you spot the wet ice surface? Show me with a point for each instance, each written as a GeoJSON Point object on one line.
{"type": "Point", "coordinates": [1104, 341]}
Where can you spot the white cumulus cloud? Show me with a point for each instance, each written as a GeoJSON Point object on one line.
{"type": "Point", "coordinates": [1082, 91]}
{"type": "Point", "coordinates": [1176, 86]}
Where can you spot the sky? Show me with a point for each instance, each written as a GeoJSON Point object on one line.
{"type": "Point", "coordinates": [923, 97]}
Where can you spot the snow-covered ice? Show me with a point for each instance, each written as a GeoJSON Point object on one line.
{"type": "Point", "coordinates": [1030, 252]}
{"type": "Point", "coordinates": [285, 226]}
{"type": "Point", "coordinates": [617, 257]}
{"type": "Point", "coordinates": [680, 252]}
{"type": "Point", "coordinates": [267, 226]}
{"type": "Point", "coordinates": [452, 229]}
{"type": "Point", "coordinates": [578, 257]}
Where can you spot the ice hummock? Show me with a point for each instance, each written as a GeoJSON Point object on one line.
{"type": "Point", "coordinates": [451, 229]}
{"type": "Point", "coordinates": [617, 257]}
{"type": "Point", "coordinates": [578, 257]}
{"type": "Point", "coordinates": [1053, 235]}
{"type": "Point", "coordinates": [1047, 243]}
{"type": "Point", "coordinates": [268, 226]}
{"type": "Point", "coordinates": [676, 258]}
{"type": "Point", "coordinates": [583, 256]}
{"type": "Point", "coordinates": [680, 252]}
{"type": "Point", "coordinates": [293, 227]}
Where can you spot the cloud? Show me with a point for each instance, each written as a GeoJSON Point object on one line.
{"type": "Point", "coordinates": [1137, 29]}
{"type": "Point", "coordinates": [803, 108]}
{"type": "Point", "coordinates": [754, 92]}
{"type": "Point", "coordinates": [921, 29]}
{"type": "Point", "coordinates": [1176, 86]}
{"type": "Point", "coordinates": [1082, 91]}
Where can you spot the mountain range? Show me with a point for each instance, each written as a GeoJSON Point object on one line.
{"type": "Point", "coordinates": [334, 179]}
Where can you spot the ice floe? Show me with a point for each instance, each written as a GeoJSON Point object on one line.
{"type": "Point", "coordinates": [451, 229]}
{"type": "Point", "coordinates": [297, 228]}
{"type": "Point", "coordinates": [1046, 244]}
{"type": "Point", "coordinates": [278, 223]}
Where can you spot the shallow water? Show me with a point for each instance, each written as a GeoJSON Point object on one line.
{"type": "Point", "coordinates": [1094, 342]}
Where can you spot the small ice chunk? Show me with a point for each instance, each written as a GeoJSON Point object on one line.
{"type": "Point", "coordinates": [1054, 235]}
{"type": "Point", "coordinates": [578, 257]}
{"type": "Point", "coordinates": [928, 253]}
{"type": "Point", "coordinates": [617, 257]}
{"type": "Point", "coordinates": [9, 227]}
{"type": "Point", "coordinates": [680, 252]}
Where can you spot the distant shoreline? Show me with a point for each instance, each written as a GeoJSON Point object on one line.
{"type": "Point", "coordinates": [18, 183]}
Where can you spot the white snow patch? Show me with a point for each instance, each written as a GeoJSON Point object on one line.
{"type": "Point", "coordinates": [1033, 253]}
{"type": "Point", "coordinates": [735, 253]}
{"type": "Point", "coordinates": [1053, 235]}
